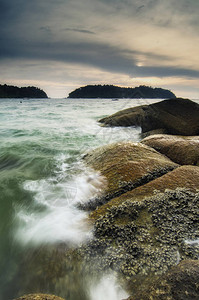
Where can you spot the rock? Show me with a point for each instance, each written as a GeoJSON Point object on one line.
{"type": "Point", "coordinates": [183, 177]}
{"type": "Point", "coordinates": [128, 117]}
{"type": "Point", "coordinates": [143, 239]}
{"type": "Point", "coordinates": [176, 116]}
{"type": "Point", "coordinates": [39, 297]}
{"type": "Point", "coordinates": [180, 283]}
{"type": "Point", "coordinates": [183, 150]}
{"type": "Point", "coordinates": [126, 166]}
{"type": "Point", "coordinates": [153, 132]}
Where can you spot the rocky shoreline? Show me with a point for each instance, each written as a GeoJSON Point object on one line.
{"type": "Point", "coordinates": [145, 219]}
{"type": "Point", "coordinates": [172, 116]}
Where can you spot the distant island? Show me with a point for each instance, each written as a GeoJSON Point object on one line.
{"type": "Point", "coordinates": [111, 91]}
{"type": "Point", "coordinates": [9, 91]}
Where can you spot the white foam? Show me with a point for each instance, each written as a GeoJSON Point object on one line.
{"type": "Point", "coordinates": [59, 219]}
{"type": "Point", "coordinates": [107, 288]}
{"type": "Point", "coordinates": [178, 258]}
{"type": "Point", "coordinates": [192, 242]}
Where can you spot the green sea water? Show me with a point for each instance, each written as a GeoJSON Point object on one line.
{"type": "Point", "coordinates": [42, 177]}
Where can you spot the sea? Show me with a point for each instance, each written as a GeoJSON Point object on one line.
{"type": "Point", "coordinates": [42, 180]}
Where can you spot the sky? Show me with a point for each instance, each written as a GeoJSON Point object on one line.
{"type": "Point", "coordinates": [60, 45]}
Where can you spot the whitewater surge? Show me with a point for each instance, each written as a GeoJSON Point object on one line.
{"type": "Point", "coordinates": [42, 181]}
{"type": "Point", "coordinates": [58, 219]}
{"type": "Point", "coordinates": [192, 242]}
{"type": "Point", "coordinates": [107, 288]}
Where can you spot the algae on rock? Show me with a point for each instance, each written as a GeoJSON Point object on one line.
{"type": "Point", "coordinates": [126, 165]}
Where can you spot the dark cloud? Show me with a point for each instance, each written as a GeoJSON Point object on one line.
{"type": "Point", "coordinates": [79, 30]}
{"type": "Point", "coordinates": [167, 72]}
{"type": "Point", "coordinates": [14, 10]}
{"type": "Point", "coordinates": [102, 56]}
{"type": "Point", "coordinates": [140, 7]}
{"type": "Point", "coordinates": [109, 35]}
{"type": "Point", "coordinates": [46, 29]}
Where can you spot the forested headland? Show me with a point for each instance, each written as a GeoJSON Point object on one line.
{"type": "Point", "coordinates": [111, 91]}
{"type": "Point", "coordinates": [9, 91]}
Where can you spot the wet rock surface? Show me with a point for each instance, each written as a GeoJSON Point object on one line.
{"type": "Point", "coordinates": [145, 238]}
{"type": "Point", "coordinates": [176, 116]}
{"type": "Point", "coordinates": [143, 232]}
{"type": "Point", "coordinates": [182, 177]}
{"type": "Point", "coordinates": [180, 283]}
{"type": "Point", "coordinates": [39, 297]}
{"type": "Point", "coordinates": [183, 150]}
{"type": "Point", "coordinates": [125, 166]}
{"type": "Point", "coordinates": [145, 225]}
{"type": "Point", "coordinates": [128, 117]}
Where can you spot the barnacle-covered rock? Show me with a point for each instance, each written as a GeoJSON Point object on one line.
{"type": "Point", "coordinates": [182, 177]}
{"type": "Point", "coordinates": [180, 282]}
{"type": "Point", "coordinates": [145, 238]}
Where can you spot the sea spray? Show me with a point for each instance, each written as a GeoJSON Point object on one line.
{"type": "Point", "coordinates": [192, 242]}
{"type": "Point", "coordinates": [56, 218]}
{"type": "Point", "coordinates": [106, 288]}
{"type": "Point", "coordinates": [41, 143]}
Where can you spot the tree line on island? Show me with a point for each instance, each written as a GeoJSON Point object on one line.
{"type": "Point", "coordinates": [9, 91]}
{"type": "Point", "coordinates": [89, 91]}
{"type": "Point", "coordinates": [111, 91]}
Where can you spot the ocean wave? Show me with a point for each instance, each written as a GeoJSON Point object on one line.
{"type": "Point", "coordinates": [9, 161]}
{"type": "Point", "coordinates": [59, 220]}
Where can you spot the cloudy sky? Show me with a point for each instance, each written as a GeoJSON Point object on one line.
{"type": "Point", "coordinates": [59, 45]}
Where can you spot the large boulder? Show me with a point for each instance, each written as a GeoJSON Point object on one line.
{"type": "Point", "coordinates": [179, 283]}
{"type": "Point", "coordinates": [183, 150]}
{"type": "Point", "coordinates": [143, 239]}
{"type": "Point", "coordinates": [142, 231]}
{"type": "Point", "coordinates": [128, 117]}
{"type": "Point", "coordinates": [125, 166]}
{"type": "Point", "coordinates": [182, 177]}
{"type": "Point", "coordinates": [176, 116]}
{"type": "Point", "coordinates": [39, 297]}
